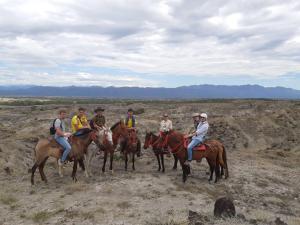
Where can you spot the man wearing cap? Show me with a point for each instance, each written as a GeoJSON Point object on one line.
{"type": "Point", "coordinates": [130, 123]}
{"type": "Point", "coordinates": [165, 124]}
{"type": "Point", "coordinates": [198, 136]}
{"type": "Point", "coordinates": [130, 119]}
{"type": "Point", "coordinates": [98, 122]}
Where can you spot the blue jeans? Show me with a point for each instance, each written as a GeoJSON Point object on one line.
{"type": "Point", "coordinates": [66, 145]}
{"type": "Point", "coordinates": [190, 147]}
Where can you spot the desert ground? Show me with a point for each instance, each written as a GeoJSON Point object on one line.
{"type": "Point", "coordinates": [262, 142]}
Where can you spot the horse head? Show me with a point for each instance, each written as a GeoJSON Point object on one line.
{"type": "Point", "coordinates": [148, 139]}
{"type": "Point", "coordinates": [119, 129]}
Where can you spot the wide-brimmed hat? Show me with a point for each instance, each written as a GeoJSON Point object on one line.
{"type": "Point", "coordinates": [195, 115]}
{"type": "Point", "coordinates": [99, 109]}
{"type": "Point", "coordinates": [130, 110]}
{"type": "Point", "coordinates": [165, 115]}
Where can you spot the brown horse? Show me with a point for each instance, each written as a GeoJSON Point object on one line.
{"type": "Point", "coordinates": [127, 137]}
{"type": "Point", "coordinates": [105, 143]}
{"type": "Point", "coordinates": [154, 140]}
{"type": "Point", "coordinates": [214, 154]}
{"type": "Point", "coordinates": [46, 148]}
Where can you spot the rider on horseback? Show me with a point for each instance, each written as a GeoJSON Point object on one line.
{"type": "Point", "coordinates": [79, 122]}
{"type": "Point", "coordinates": [98, 122]}
{"type": "Point", "coordinates": [165, 127]}
{"type": "Point", "coordinates": [61, 136]}
{"type": "Point", "coordinates": [199, 135]}
{"type": "Point", "coordinates": [130, 123]}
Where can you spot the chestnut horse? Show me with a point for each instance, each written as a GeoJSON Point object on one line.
{"type": "Point", "coordinates": [214, 154]}
{"type": "Point", "coordinates": [46, 148]}
{"type": "Point", "coordinates": [127, 137]}
{"type": "Point", "coordinates": [153, 140]}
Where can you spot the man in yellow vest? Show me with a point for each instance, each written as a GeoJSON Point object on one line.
{"type": "Point", "coordinates": [130, 123]}
{"type": "Point", "coordinates": [79, 121]}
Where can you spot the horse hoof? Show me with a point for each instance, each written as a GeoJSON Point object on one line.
{"type": "Point", "coordinates": [60, 175]}
{"type": "Point", "coordinates": [174, 168]}
{"type": "Point", "coordinates": [112, 171]}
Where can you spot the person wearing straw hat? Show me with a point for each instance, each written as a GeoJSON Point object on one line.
{"type": "Point", "coordinates": [198, 136]}
{"type": "Point", "coordinates": [165, 124]}
{"type": "Point", "coordinates": [98, 122]}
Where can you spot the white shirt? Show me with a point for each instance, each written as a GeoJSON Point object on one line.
{"type": "Point", "coordinates": [201, 131]}
{"type": "Point", "coordinates": [166, 125]}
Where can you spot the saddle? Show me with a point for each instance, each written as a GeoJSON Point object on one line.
{"type": "Point", "coordinates": [54, 144]}
{"type": "Point", "coordinates": [201, 147]}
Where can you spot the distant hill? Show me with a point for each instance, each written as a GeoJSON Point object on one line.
{"type": "Point", "coordinates": [184, 92]}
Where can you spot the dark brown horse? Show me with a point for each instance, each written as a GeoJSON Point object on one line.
{"type": "Point", "coordinates": [128, 138]}
{"type": "Point", "coordinates": [214, 154]}
{"type": "Point", "coordinates": [154, 140]}
{"type": "Point", "coordinates": [46, 148]}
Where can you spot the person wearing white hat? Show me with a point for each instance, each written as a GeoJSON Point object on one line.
{"type": "Point", "coordinates": [198, 136]}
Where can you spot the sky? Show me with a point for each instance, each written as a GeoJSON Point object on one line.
{"type": "Point", "coordinates": [150, 43]}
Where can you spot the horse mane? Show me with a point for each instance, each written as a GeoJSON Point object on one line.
{"type": "Point", "coordinates": [115, 125]}
{"type": "Point", "coordinates": [84, 134]}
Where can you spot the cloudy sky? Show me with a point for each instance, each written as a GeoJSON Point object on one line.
{"type": "Point", "coordinates": [150, 43]}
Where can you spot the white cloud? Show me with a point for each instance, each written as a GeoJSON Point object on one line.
{"type": "Point", "coordinates": [220, 38]}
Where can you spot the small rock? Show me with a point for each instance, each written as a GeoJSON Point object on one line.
{"type": "Point", "coordinates": [224, 207]}
{"type": "Point", "coordinates": [197, 219]}
{"type": "Point", "coordinates": [241, 217]}
{"type": "Point", "coordinates": [278, 221]}
{"type": "Point", "coordinates": [253, 221]}
{"type": "Point", "coordinates": [7, 170]}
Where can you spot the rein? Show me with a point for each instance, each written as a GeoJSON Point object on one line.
{"type": "Point", "coordinates": [173, 150]}
{"type": "Point", "coordinates": [151, 139]}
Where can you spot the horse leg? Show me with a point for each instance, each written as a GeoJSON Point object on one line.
{"type": "Point", "coordinates": [111, 154]}
{"type": "Point", "coordinates": [211, 168]}
{"type": "Point", "coordinates": [133, 167]}
{"type": "Point", "coordinates": [104, 161]}
{"type": "Point", "coordinates": [184, 174]}
{"type": "Point", "coordinates": [162, 162]}
{"type": "Point", "coordinates": [82, 166]}
{"type": "Point", "coordinates": [41, 169]}
{"type": "Point", "coordinates": [33, 169]}
{"type": "Point", "coordinates": [126, 160]}
{"type": "Point", "coordinates": [175, 162]}
{"type": "Point", "coordinates": [74, 170]}
{"type": "Point", "coordinates": [85, 169]}
{"type": "Point", "coordinates": [158, 160]}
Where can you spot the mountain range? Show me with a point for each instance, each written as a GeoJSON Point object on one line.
{"type": "Point", "coordinates": [183, 92]}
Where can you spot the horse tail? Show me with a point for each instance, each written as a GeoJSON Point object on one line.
{"type": "Point", "coordinates": [225, 163]}
{"type": "Point", "coordinates": [220, 156]}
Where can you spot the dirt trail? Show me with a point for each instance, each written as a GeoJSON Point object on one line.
{"type": "Point", "coordinates": [261, 138]}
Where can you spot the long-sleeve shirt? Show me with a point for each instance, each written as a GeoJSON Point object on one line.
{"type": "Point", "coordinates": [166, 125]}
{"type": "Point", "coordinates": [201, 131]}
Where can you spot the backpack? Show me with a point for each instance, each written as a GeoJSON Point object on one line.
{"type": "Point", "coordinates": [52, 128]}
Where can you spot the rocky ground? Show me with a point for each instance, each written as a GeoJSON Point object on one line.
{"type": "Point", "coordinates": [261, 138]}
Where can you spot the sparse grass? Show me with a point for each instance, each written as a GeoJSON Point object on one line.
{"type": "Point", "coordinates": [87, 215]}
{"type": "Point", "coordinates": [7, 199]}
{"type": "Point", "coordinates": [169, 222]}
{"type": "Point", "coordinates": [100, 210]}
{"type": "Point", "coordinates": [44, 215]}
{"type": "Point", "coordinates": [77, 187]}
{"type": "Point", "coordinates": [123, 205]}
{"type": "Point", "coordinates": [41, 216]}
